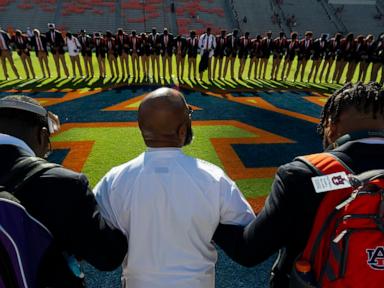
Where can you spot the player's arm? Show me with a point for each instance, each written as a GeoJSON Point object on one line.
{"type": "Point", "coordinates": [235, 213]}
{"type": "Point", "coordinates": [75, 221]}
{"type": "Point", "coordinates": [102, 246]}
{"type": "Point", "coordinates": [280, 222]}
{"type": "Point", "coordinates": [234, 208]}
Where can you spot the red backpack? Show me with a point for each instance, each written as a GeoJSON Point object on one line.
{"type": "Point", "coordinates": [346, 244]}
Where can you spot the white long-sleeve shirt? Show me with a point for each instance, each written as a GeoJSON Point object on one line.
{"type": "Point", "coordinates": [73, 46]}
{"type": "Point", "coordinates": [169, 206]}
{"type": "Point", "coordinates": [207, 42]}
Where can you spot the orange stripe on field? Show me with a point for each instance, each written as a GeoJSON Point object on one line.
{"type": "Point", "coordinates": [67, 97]}
{"type": "Point", "coordinates": [215, 94]}
{"type": "Point", "coordinates": [77, 155]}
{"type": "Point", "coordinates": [52, 101]}
{"type": "Point", "coordinates": [316, 100]}
{"type": "Point", "coordinates": [124, 106]}
{"type": "Point", "coordinates": [231, 161]}
{"type": "Point", "coordinates": [257, 203]}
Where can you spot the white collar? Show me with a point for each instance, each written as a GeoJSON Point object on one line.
{"type": "Point", "coordinates": [371, 140]}
{"type": "Point", "coordinates": [10, 140]}
{"type": "Point", "coordinates": [163, 149]}
{"type": "Point", "coordinates": [164, 152]}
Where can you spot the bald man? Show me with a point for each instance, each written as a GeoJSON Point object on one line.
{"type": "Point", "coordinates": [168, 204]}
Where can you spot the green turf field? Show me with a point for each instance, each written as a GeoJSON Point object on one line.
{"type": "Point", "coordinates": [107, 152]}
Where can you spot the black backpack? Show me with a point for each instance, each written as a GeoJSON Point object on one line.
{"type": "Point", "coordinates": [24, 241]}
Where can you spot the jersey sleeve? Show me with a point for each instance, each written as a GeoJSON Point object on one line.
{"type": "Point", "coordinates": [102, 192]}
{"type": "Point", "coordinates": [234, 208]}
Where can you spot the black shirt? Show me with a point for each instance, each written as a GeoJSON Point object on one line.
{"type": "Point", "coordinates": [286, 220]}
{"type": "Point", "coordinates": [62, 201]}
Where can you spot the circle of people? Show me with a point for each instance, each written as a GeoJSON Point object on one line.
{"type": "Point", "coordinates": [346, 54]}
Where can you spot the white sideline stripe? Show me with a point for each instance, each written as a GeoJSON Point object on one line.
{"type": "Point", "coordinates": [18, 255]}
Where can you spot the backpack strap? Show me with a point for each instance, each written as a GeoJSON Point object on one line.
{"type": "Point", "coordinates": [364, 178]}
{"type": "Point", "coordinates": [324, 164]}
{"type": "Point", "coordinates": [7, 275]}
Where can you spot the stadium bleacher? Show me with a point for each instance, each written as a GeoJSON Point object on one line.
{"type": "Point", "coordinates": [23, 14]}
{"type": "Point", "coordinates": [73, 13]}
{"type": "Point", "coordinates": [254, 16]}
{"type": "Point", "coordinates": [157, 14]}
{"type": "Point", "coordinates": [258, 17]}
{"type": "Point", "coordinates": [197, 15]}
{"type": "Point", "coordinates": [358, 17]}
{"type": "Point", "coordinates": [306, 20]}
{"type": "Point", "coordinates": [142, 15]}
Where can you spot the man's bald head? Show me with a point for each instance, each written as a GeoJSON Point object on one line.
{"type": "Point", "coordinates": [164, 118]}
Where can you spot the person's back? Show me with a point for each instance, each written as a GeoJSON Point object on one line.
{"type": "Point", "coordinates": [352, 129]}
{"type": "Point", "coordinates": [169, 206]}
{"type": "Point", "coordinates": [57, 198]}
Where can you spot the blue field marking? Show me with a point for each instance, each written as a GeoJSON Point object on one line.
{"type": "Point", "coordinates": [55, 95]}
{"type": "Point", "coordinates": [269, 155]}
{"type": "Point", "coordinates": [303, 133]}
{"type": "Point", "coordinates": [292, 101]}
{"type": "Point", "coordinates": [73, 111]}
{"type": "Point", "coordinates": [243, 94]}
{"type": "Point", "coordinates": [58, 155]}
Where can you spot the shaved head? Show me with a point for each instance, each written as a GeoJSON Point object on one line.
{"type": "Point", "coordinates": [164, 119]}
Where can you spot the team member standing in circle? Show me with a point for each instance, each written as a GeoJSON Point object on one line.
{"type": "Point", "coordinates": [267, 47]}
{"type": "Point", "coordinates": [377, 58]}
{"type": "Point", "coordinates": [305, 52]}
{"type": "Point", "coordinates": [6, 54]}
{"type": "Point", "coordinates": [293, 47]}
{"type": "Point", "coordinates": [221, 44]}
{"type": "Point", "coordinates": [110, 44]}
{"type": "Point", "coordinates": [367, 57]}
{"type": "Point", "coordinates": [155, 46]}
{"type": "Point", "coordinates": [279, 50]}
{"type": "Point", "coordinates": [328, 59]}
{"type": "Point", "coordinates": [244, 49]}
{"type": "Point", "coordinates": [86, 51]}
{"type": "Point", "coordinates": [100, 51]}
{"type": "Point", "coordinates": [192, 48]}
{"type": "Point", "coordinates": [233, 42]}
{"type": "Point", "coordinates": [56, 42]}
{"type": "Point", "coordinates": [134, 48]}
{"type": "Point", "coordinates": [73, 46]}
{"type": "Point", "coordinates": [39, 41]}
{"type": "Point", "coordinates": [180, 52]}
{"type": "Point", "coordinates": [336, 55]}
{"type": "Point", "coordinates": [166, 40]}
{"type": "Point", "coordinates": [207, 44]}
{"type": "Point", "coordinates": [122, 43]}
{"type": "Point", "coordinates": [145, 54]}
{"type": "Point", "coordinates": [320, 47]}
{"type": "Point", "coordinates": [22, 49]}
{"type": "Point", "coordinates": [256, 54]}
